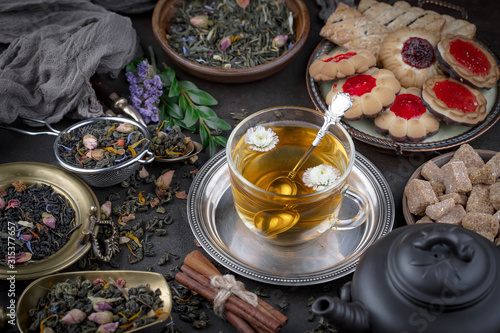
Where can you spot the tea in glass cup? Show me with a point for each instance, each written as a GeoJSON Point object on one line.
{"type": "Point", "coordinates": [266, 146]}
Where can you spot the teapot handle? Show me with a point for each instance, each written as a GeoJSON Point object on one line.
{"type": "Point", "coordinates": [461, 251]}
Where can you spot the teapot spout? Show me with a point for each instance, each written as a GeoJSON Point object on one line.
{"type": "Point", "coordinates": [346, 317]}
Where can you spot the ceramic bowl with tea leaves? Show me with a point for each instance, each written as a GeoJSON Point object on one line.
{"type": "Point", "coordinates": [203, 41]}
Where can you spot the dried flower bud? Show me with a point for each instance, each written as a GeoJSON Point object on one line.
{"type": "Point", "coordinates": [13, 203]}
{"type": "Point", "coordinates": [19, 257]}
{"type": "Point", "coordinates": [49, 220]}
{"type": "Point", "coordinates": [48, 330]}
{"type": "Point", "coordinates": [123, 240]}
{"type": "Point", "coordinates": [108, 328]}
{"type": "Point", "coordinates": [121, 282]}
{"type": "Point", "coordinates": [129, 217]}
{"type": "Point", "coordinates": [74, 316]}
{"type": "Point", "coordinates": [243, 3]}
{"type": "Point", "coordinates": [103, 317]}
{"type": "Point", "coordinates": [106, 209]}
{"type": "Point", "coordinates": [280, 40]}
{"type": "Point", "coordinates": [2, 203]}
{"type": "Point", "coordinates": [97, 154]}
{"type": "Point", "coordinates": [125, 128]}
{"type": "Point", "coordinates": [26, 237]}
{"type": "Point", "coordinates": [199, 21]}
{"type": "Point", "coordinates": [89, 141]}
{"type": "Point", "coordinates": [99, 281]}
{"type": "Point", "coordinates": [164, 180]}
{"type": "Point", "coordinates": [102, 306]}
{"type": "Point", "coordinates": [225, 43]}
{"type": "Point", "coordinates": [143, 173]}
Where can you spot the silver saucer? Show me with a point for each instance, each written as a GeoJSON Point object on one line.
{"type": "Point", "coordinates": [222, 234]}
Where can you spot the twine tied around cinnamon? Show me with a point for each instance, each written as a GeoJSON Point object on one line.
{"type": "Point", "coordinates": [228, 285]}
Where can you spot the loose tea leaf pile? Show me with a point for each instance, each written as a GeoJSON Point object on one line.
{"type": "Point", "coordinates": [38, 220]}
{"type": "Point", "coordinates": [89, 306]}
{"type": "Point", "coordinates": [223, 34]}
{"type": "Point", "coordinates": [101, 144]}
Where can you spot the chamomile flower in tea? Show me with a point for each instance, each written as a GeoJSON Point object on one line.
{"type": "Point", "coordinates": [261, 139]}
{"type": "Point", "coordinates": [320, 176]}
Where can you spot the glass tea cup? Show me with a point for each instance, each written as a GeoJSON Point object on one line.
{"type": "Point", "coordinates": [267, 145]}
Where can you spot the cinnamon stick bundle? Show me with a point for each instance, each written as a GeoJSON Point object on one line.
{"type": "Point", "coordinates": [196, 273]}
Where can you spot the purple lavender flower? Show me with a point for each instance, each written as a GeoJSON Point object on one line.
{"type": "Point", "coordinates": [145, 89]}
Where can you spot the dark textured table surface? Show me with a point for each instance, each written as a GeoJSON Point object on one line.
{"type": "Point", "coordinates": [287, 87]}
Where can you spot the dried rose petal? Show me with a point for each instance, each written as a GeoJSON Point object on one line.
{"type": "Point", "coordinates": [108, 328]}
{"type": "Point", "coordinates": [89, 141]}
{"type": "Point", "coordinates": [280, 40]}
{"type": "Point", "coordinates": [49, 220]}
{"type": "Point", "coordinates": [225, 43]}
{"type": "Point", "coordinates": [106, 209]}
{"type": "Point", "coordinates": [20, 186]}
{"type": "Point", "coordinates": [129, 217]}
{"type": "Point", "coordinates": [98, 281]}
{"type": "Point", "coordinates": [243, 3]}
{"type": "Point", "coordinates": [13, 203]}
{"type": "Point", "coordinates": [26, 237]}
{"type": "Point", "coordinates": [119, 143]}
{"type": "Point", "coordinates": [125, 128]}
{"type": "Point", "coordinates": [97, 154]}
{"type": "Point", "coordinates": [181, 195]}
{"type": "Point", "coordinates": [199, 21]}
{"type": "Point", "coordinates": [164, 180]}
{"type": "Point", "coordinates": [74, 316]}
{"type": "Point", "coordinates": [2, 203]}
{"type": "Point", "coordinates": [19, 257]}
{"type": "Point", "coordinates": [121, 282]}
{"type": "Point", "coordinates": [103, 317]}
{"type": "Point", "coordinates": [143, 173]}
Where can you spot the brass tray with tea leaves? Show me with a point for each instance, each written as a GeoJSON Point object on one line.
{"type": "Point", "coordinates": [81, 198]}
{"type": "Point", "coordinates": [40, 287]}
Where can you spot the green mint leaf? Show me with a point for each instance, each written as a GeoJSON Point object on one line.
{"type": "Point", "coordinates": [174, 110]}
{"type": "Point", "coordinates": [188, 85]}
{"type": "Point", "coordinates": [175, 89]}
{"type": "Point", "coordinates": [183, 103]}
{"type": "Point", "coordinates": [220, 140]}
{"type": "Point", "coordinates": [165, 80]}
{"type": "Point", "coordinates": [191, 116]}
{"type": "Point", "coordinates": [206, 112]}
{"type": "Point", "coordinates": [205, 136]}
{"type": "Point", "coordinates": [201, 97]}
{"type": "Point", "coordinates": [180, 123]}
{"type": "Point", "coordinates": [212, 147]}
{"type": "Point", "coordinates": [215, 123]}
{"type": "Point", "coordinates": [170, 74]}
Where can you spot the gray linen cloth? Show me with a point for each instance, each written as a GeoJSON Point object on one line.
{"type": "Point", "coordinates": [55, 47]}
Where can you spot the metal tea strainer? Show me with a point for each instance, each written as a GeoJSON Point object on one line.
{"type": "Point", "coordinates": [102, 177]}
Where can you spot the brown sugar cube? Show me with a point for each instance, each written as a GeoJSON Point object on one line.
{"type": "Point", "coordinates": [460, 199]}
{"type": "Point", "coordinates": [431, 171]}
{"type": "Point", "coordinates": [480, 222]}
{"type": "Point", "coordinates": [437, 187]}
{"type": "Point", "coordinates": [419, 195]}
{"type": "Point", "coordinates": [495, 195]}
{"type": "Point", "coordinates": [484, 175]}
{"type": "Point", "coordinates": [456, 178]}
{"type": "Point", "coordinates": [454, 216]}
{"type": "Point", "coordinates": [425, 219]}
{"type": "Point", "coordinates": [488, 235]}
{"type": "Point", "coordinates": [495, 162]}
{"type": "Point", "coordinates": [439, 209]}
{"type": "Point", "coordinates": [469, 156]}
{"type": "Point", "coordinates": [479, 200]}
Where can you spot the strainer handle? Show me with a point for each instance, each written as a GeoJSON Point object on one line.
{"type": "Point", "coordinates": [149, 159]}
{"type": "Point", "coordinates": [52, 132]}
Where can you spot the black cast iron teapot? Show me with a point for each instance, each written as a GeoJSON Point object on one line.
{"type": "Point", "coordinates": [432, 278]}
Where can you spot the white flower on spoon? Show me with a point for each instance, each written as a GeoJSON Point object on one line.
{"type": "Point", "coordinates": [261, 139]}
{"type": "Point", "coordinates": [320, 176]}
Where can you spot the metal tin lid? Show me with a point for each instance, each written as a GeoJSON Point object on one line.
{"type": "Point", "coordinates": [440, 265]}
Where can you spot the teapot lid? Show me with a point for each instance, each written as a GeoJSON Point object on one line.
{"type": "Point", "coordinates": [442, 265]}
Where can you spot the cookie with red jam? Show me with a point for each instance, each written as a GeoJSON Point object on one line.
{"type": "Point", "coordinates": [409, 54]}
{"type": "Point", "coordinates": [370, 91]}
{"type": "Point", "coordinates": [468, 61]}
{"type": "Point", "coordinates": [453, 101]}
{"type": "Point", "coordinates": [407, 119]}
{"type": "Point", "coordinates": [341, 64]}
